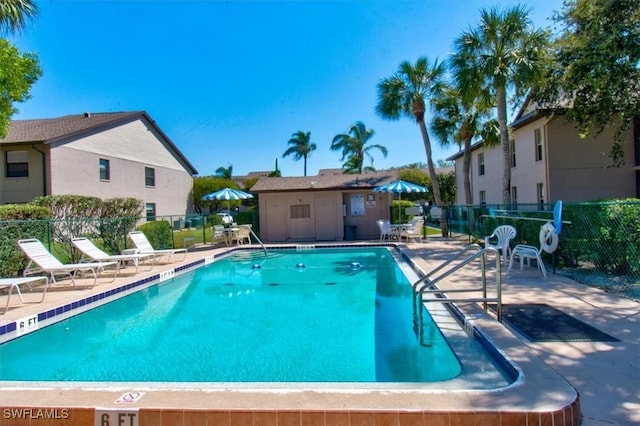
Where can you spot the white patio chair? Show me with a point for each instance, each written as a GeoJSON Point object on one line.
{"type": "Point", "coordinates": [219, 235]}
{"type": "Point", "coordinates": [41, 261]}
{"type": "Point", "coordinates": [144, 247]}
{"type": "Point", "coordinates": [413, 230]}
{"type": "Point", "coordinates": [242, 234]}
{"type": "Point", "coordinates": [386, 231]}
{"type": "Point", "coordinates": [91, 253]}
{"type": "Point", "coordinates": [526, 252]}
{"type": "Point", "coordinates": [500, 240]}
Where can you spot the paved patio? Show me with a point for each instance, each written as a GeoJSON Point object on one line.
{"type": "Point", "coordinates": [607, 375]}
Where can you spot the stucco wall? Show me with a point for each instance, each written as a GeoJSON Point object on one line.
{"type": "Point", "coordinates": [23, 189]}
{"type": "Point", "coordinates": [529, 172]}
{"type": "Point", "coordinates": [326, 221]}
{"type": "Point", "coordinates": [571, 169]}
{"type": "Point", "coordinates": [129, 148]}
{"type": "Point", "coordinates": [581, 170]}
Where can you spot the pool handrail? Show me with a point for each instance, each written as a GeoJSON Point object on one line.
{"type": "Point", "coordinates": [441, 295]}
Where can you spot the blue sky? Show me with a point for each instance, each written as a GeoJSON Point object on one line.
{"type": "Point", "coordinates": [230, 81]}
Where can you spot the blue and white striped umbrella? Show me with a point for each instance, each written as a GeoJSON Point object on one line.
{"type": "Point", "coordinates": [400, 186]}
{"type": "Point", "coordinates": [227, 194]}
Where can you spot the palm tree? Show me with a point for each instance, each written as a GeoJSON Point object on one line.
{"type": "Point", "coordinates": [407, 93]}
{"type": "Point", "coordinates": [352, 144]}
{"type": "Point", "coordinates": [301, 147]}
{"type": "Point", "coordinates": [502, 52]}
{"type": "Point", "coordinates": [461, 120]}
{"type": "Point", "coordinates": [225, 172]}
{"type": "Point", "coordinates": [14, 15]}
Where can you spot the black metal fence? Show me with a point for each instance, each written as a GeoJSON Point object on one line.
{"type": "Point", "coordinates": [110, 234]}
{"type": "Point", "coordinates": [599, 243]}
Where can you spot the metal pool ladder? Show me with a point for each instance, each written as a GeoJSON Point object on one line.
{"type": "Point", "coordinates": [426, 291]}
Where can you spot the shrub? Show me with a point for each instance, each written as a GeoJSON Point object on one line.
{"type": "Point", "coordinates": [17, 222]}
{"type": "Point", "coordinates": [118, 218]}
{"type": "Point", "coordinates": [158, 233]}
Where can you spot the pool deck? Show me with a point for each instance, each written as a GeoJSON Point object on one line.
{"type": "Point", "coordinates": [595, 383]}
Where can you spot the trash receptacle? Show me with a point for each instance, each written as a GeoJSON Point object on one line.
{"type": "Point", "coordinates": [350, 232]}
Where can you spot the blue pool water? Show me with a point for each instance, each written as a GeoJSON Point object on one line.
{"type": "Point", "coordinates": [330, 315]}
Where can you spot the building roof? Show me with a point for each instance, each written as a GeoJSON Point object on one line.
{"type": "Point", "coordinates": [324, 182]}
{"type": "Point", "coordinates": [49, 130]}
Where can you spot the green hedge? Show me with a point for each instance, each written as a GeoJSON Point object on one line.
{"type": "Point", "coordinates": [17, 222]}
{"type": "Point", "coordinates": [158, 233]}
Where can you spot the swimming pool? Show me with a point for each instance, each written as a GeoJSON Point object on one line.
{"type": "Point", "coordinates": [332, 315]}
{"type": "Point", "coordinates": [529, 392]}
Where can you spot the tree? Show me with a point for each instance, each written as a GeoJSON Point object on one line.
{"type": "Point", "coordinates": [18, 72]}
{"type": "Point", "coordinates": [14, 15]}
{"type": "Point", "coordinates": [276, 171]}
{"type": "Point", "coordinates": [301, 147]}
{"type": "Point", "coordinates": [503, 52]}
{"type": "Point", "coordinates": [596, 70]}
{"type": "Point", "coordinates": [225, 172]}
{"type": "Point", "coordinates": [407, 93]}
{"type": "Point", "coordinates": [352, 144]}
{"type": "Point", "coordinates": [203, 185]}
{"type": "Point", "coordinates": [461, 119]}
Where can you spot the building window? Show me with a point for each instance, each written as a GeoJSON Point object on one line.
{"type": "Point", "coordinates": [149, 176]}
{"type": "Point", "coordinates": [300, 211]}
{"type": "Point", "coordinates": [537, 135]}
{"type": "Point", "coordinates": [483, 198]}
{"type": "Point", "coordinates": [150, 209]}
{"type": "Point", "coordinates": [481, 164]}
{"type": "Point", "coordinates": [514, 196]}
{"type": "Point", "coordinates": [512, 152]}
{"type": "Point", "coordinates": [105, 169]}
{"type": "Point", "coordinates": [540, 192]}
{"type": "Point", "coordinates": [17, 164]}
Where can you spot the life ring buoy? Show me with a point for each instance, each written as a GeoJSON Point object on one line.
{"type": "Point", "coordinates": [548, 238]}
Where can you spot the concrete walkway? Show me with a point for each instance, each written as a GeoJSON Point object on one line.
{"type": "Point", "coordinates": [606, 374]}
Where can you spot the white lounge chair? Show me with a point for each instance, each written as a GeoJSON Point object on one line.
{"type": "Point", "coordinates": [500, 240]}
{"type": "Point", "coordinates": [91, 253]}
{"type": "Point", "coordinates": [14, 283]}
{"type": "Point", "coordinates": [41, 261]}
{"type": "Point", "coordinates": [143, 246]}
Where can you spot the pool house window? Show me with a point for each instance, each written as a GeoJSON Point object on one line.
{"type": "Point", "coordinates": [481, 164]}
{"type": "Point", "coordinates": [514, 197]}
{"type": "Point", "coordinates": [483, 198]}
{"type": "Point", "coordinates": [149, 176]}
{"type": "Point", "coordinates": [300, 211]}
{"type": "Point", "coordinates": [17, 164]}
{"type": "Point", "coordinates": [105, 169]}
